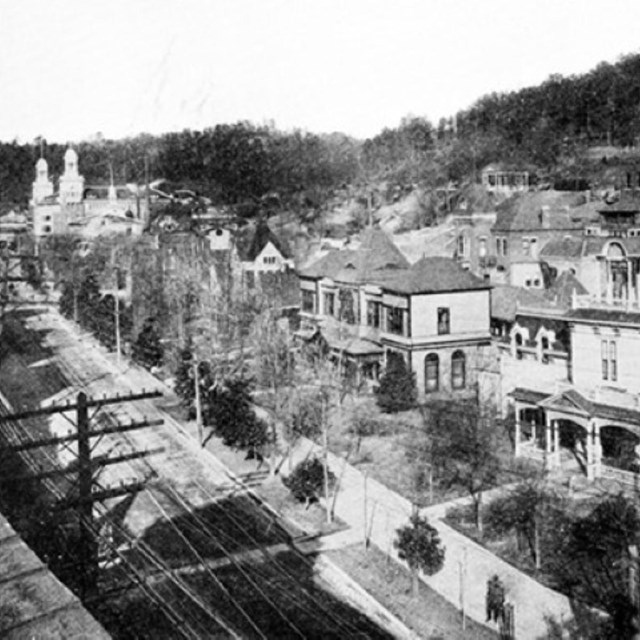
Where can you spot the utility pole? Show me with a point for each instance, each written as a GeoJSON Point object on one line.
{"type": "Point", "coordinates": [87, 548]}
{"type": "Point", "coordinates": [86, 469]}
{"type": "Point", "coordinates": [196, 382]}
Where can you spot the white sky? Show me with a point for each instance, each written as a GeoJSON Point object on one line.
{"type": "Point", "coordinates": [71, 68]}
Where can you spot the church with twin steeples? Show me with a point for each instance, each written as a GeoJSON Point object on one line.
{"type": "Point", "coordinates": [80, 209]}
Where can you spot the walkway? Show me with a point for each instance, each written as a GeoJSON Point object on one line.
{"type": "Point", "coordinates": [467, 566]}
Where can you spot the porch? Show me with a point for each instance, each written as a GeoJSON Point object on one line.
{"type": "Point", "coordinates": [567, 430]}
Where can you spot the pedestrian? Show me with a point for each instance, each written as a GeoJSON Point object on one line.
{"type": "Point", "coordinates": [495, 599]}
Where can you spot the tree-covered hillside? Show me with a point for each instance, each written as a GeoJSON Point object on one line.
{"type": "Point", "coordinates": [539, 127]}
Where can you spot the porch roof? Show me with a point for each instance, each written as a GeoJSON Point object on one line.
{"type": "Point", "coordinates": [572, 401]}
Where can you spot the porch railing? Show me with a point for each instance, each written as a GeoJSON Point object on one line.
{"type": "Point", "coordinates": [531, 451]}
{"type": "Point", "coordinates": [625, 478]}
{"type": "Point", "coordinates": [605, 302]}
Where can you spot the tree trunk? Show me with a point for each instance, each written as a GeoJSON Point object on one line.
{"type": "Point", "coordinates": [325, 470]}
{"type": "Point", "coordinates": [478, 506]}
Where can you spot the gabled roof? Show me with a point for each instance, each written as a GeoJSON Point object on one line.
{"type": "Point", "coordinates": [569, 401]}
{"type": "Point", "coordinates": [377, 258]}
{"type": "Point", "coordinates": [505, 300]}
{"type": "Point", "coordinates": [250, 245]}
{"type": "Point", "coordinates": [524, 212]}
{"type": "Point", "coordinates": [433, 275]}
{"type": "Point", "coordinates": [562, 290]}
{"type": "Point", "coordinates": [563, 248]}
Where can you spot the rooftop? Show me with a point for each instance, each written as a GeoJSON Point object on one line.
{"type": "Point", "coordinates": [377, 258]}
{"type": "Point", "coordinates": [524, 212]}
{"type": "Point", "coordinates": [433, 275]}
{"type": "Point", "coordinates": [33, 602]}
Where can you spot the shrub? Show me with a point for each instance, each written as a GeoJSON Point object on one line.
{"type": "Point", "coordinates": [306, 481]}
{"type": "Point", "coordinates": [397, 390]}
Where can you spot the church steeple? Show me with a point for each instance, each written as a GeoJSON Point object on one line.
{"type": "Point", "coordinates": [71, 182]}
{"type": "Point", "coordinates": [42, 187]}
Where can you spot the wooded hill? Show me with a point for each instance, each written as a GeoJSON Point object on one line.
{"type": "Point", "coordinates": [547, 128]}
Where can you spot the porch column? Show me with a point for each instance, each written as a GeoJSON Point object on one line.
{"type": "Point", "coordinates": [556, 442]}
{"type": "Point", "coordinates": [547, 441]}
{"type": "Point", "coordinates": [597, 450]}
{"type": "Point", "coordinates": [534, 433]}
{"type": "Point", "coordinates": [590, 447]}
{"type": "Point", "coordinates": [516, 448]}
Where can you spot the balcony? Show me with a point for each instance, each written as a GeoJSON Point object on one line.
{"type": "Point", "coordinates": [607, 302]}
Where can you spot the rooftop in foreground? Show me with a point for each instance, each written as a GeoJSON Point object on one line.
{"type": "Point", "coordinates": [33, 602]}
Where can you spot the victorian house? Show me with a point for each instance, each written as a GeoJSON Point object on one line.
{"type": "Point", "coordinates": [571, 367]}
{"type": "Point", "coordinates": [369, 304]}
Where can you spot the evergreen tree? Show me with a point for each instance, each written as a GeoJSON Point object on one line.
{"type": "Point", "coordinates": [306, 481]}
{"type": "Point", "coordinates": [67, 303]}
{"type": "Point", "coordinates": [88, 303]}
{"type": "Point", "coordinates": [228, 408]}
{"type": "Point", "coordinates": [397, 390]}
{"type": "Point", "coordinates": [147, 349]}
{"type": "Point", "coordinates": [419, 545]}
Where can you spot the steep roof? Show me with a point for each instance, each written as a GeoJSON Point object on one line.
{"type": "Point", "coordinates": [376, 258]}
{"type": "Point", "coordinates": [432, 275]}
{"type": "Point", "coordinates": [505, 300]}
{"type": "Point", "coordinates": [524, 212]}
{"type": "Point", "coordinates": [562, 290]}
{"type": "Point", "coordinates": [563, 248]}
{"type": "Point", "coordinates": [251, 243]}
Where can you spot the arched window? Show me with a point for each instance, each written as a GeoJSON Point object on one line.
{"type": "Point", "coordinates": [458, 370]}
{"type": "Point", "coordinates": [518, 340]}
{"type": "Point", "coordinates": [544, 349]}
{"type": "Point", "coordinates": [431, 373]}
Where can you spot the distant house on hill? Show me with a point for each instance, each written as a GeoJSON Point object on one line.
{"type": "Point", "coordinates": [498, 177]}
{"type": "Point", "coordinates": [369, 305]}
{"type": "Point", "coordinates": [260, 250]}
{"type": "Point", "coordinates": [524, 224]}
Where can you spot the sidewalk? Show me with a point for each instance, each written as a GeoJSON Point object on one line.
{"type": "Point", "coordinates": [467, 564]}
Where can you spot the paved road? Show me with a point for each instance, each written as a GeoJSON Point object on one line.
{"type": "Point", "coordinates": [190, 477]}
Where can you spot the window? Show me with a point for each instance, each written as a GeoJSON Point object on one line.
{"type": "Point", "coordinates": [501, 246]}
{"type": "Point", "coordinates": [395, 320]}
{"type": "Point", "coordinates": [269, 260]}
{"type": "Point", "coordinates": [525, 246]}
{"type": "Point", "coordinates": [458, 373]}
{"type": "Point", "coordinates": [462, 245]}
{"type": "Point", "coordinates": [609, 360]}
{"type": "Point", "coordinates": [544, 347]}
{"type": "Point", "coordinates": [308, 301]}
{"type": "Point", "coordinates": [613, 361]}
{"type": "Point", "coordinates": [533, 247]}
{"type": "Point", "coordinates": [482, 247]}
{"type": "Point", "coordinates": [373, 314]}
{"type": "Point", "coordinates": [443, 321]}
{"type": "Point", "coordinates": [518, 340]}
{"type": "Point", "coordinates": [431, 373]}
{"type": "Point", "coordinates": [329, 303]}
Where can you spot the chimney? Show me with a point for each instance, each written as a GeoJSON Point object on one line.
{"type": "Point", "coordinates": [545, 216]}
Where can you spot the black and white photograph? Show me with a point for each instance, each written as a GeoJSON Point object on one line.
{"type": "Point", "coordinates": [320, 320]}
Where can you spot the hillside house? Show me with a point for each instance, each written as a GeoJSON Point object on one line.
{"type": "Point", "coordinates": [527, 223]}
{"type": "Point", "coordinates": [501, 178]}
